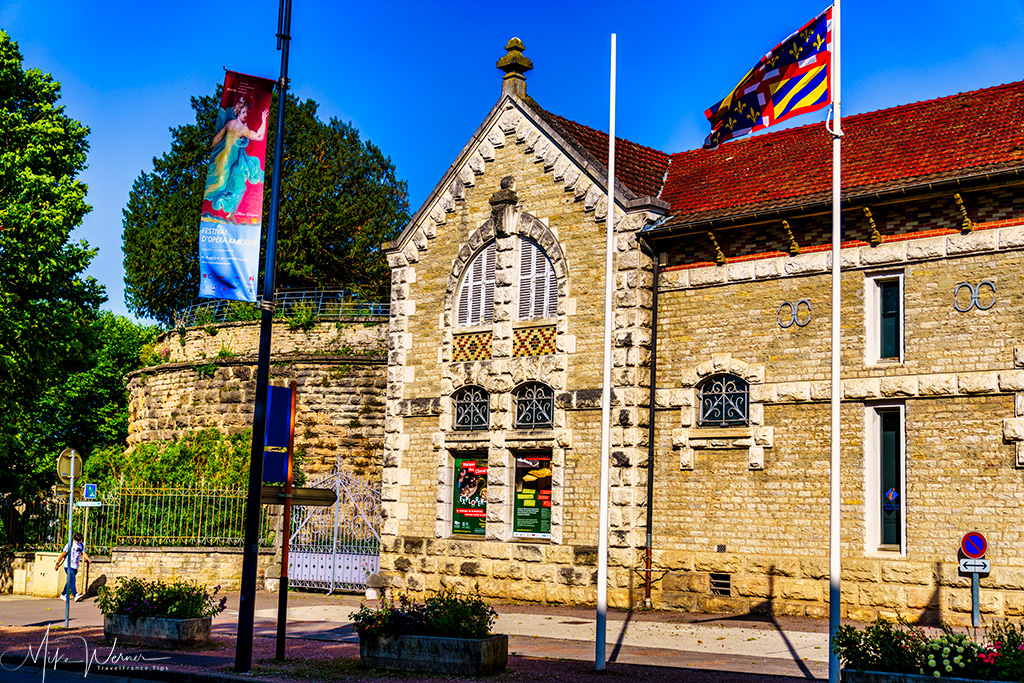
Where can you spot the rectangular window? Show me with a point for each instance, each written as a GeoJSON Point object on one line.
{"type": "Point", "coordinates": [886, 482]}
{"type": "Point", "coordinates": [884, 318]}
{"type": "Point", "coordinates": [531, 516]}
{"type": "Point", "coordinates": [469, 496]}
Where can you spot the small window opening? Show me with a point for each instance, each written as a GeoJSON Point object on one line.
{"type": "Point", "coordinates": [721, 584]}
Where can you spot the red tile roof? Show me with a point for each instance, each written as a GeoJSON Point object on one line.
{"type": "Point", "coordinates": [955, 136]}
{"type": "Point", "coordinates": [639, 168]}
{"type": "Point", "coordinates": [958, 136]}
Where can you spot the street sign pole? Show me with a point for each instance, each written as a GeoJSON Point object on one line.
{"type": "Point", "coordinates": [67, 564]}
{"type": "Point", "coordinates": [69, 464]}
{"type": "Point", "coordinates": [282, 598]}
{"type": "Point", "coordinates": [974, 546]}
{"type": "Point", "coordinates": [975, 608]}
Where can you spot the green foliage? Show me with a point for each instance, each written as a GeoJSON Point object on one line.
{"type": "Point", "coordinates": [48, 310]}
{"type": "Point", "coordinates": [177, 599]}
{"type": "Point", "coordinates": [951, 655]}
{"type": "Point", "coordinates": [205, 371]}
{"type": "Point", "coordinates": [242, 311]}
{"type": "Point", "coordinates": [206, 455]}
{"type": "Point", "coordinates": [225, 351]}
{"type": "Point", "coordinates": [1002, 658]}
{"type": "Point", "coordinates": [445, 614]}
{"type": "Point", "coordinates": [881, 646]}
{"type": "Point", "coordinates": [301, 317]}
{"type": "Point", "coordinates": [901, 648]}
{"type": "Point", "coordinates": [340, 201]}
{"type": "Point", "coordinates": [89, 409]}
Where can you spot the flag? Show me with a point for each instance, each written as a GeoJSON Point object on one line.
{"type": "Point", "coordinates": [790, 80]}
{"type": "Point", "coordinates": [231, 221]}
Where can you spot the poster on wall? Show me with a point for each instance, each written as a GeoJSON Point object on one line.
{"type": "Point", "coordinates": [230, 225]}
{"type": "Point", "coordinates": [469, 513]}
{"type": "Point", "coordinates": [532, 506]}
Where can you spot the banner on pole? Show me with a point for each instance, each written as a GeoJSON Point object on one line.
{"type": "Point", "coordinates": [232, 213]}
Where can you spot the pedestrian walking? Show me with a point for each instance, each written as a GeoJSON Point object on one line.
{"type": "Point", "coordinates": [76, 550]}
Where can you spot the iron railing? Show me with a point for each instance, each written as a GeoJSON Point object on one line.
{"type": "Point", "coordinates": [321, 303]}
{"type": "Point", "coordinates": [337, 547]}
{"type": "Point", "coordinates": [194, 516]}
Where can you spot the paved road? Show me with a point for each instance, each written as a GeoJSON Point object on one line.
{"type": "Point", "coordinates": [705, 646]}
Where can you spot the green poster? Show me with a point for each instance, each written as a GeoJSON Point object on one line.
{"type": "Point", "coordinates": [469, 513]}
{"type": "Point", "coordinates": [532, 505]}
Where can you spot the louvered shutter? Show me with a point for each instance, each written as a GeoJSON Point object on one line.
{"type": "Point", "coordinates": [476, 295]}
{"type": "Point", "coordinates": [537, 283]}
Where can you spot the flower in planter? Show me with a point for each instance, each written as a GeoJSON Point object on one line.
{"type": "Point", "coordinates": [176, 599]}
{"type": "Point", "coordinates": [445, 614]}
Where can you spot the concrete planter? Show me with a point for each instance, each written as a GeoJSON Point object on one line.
{"type": "Point", "coordinates": [458, 656]}
{"type": "Point", "coordinates": [157, 631]}
{"type": "Point", "coordinates": [854, 676]}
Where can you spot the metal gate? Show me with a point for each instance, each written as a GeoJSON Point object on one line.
{"type": "Point", "coordinates": [337, 547]}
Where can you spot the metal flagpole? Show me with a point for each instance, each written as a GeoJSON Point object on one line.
{"type": "Point", "coordinates": [250, 548]}
{"type": "Point", "coordinates": [606, 387]}
{"type": "Point", "coordinates": [834, 550]}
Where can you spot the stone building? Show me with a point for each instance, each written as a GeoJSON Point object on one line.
{"type": "Point", "coordinates": [492, 428]}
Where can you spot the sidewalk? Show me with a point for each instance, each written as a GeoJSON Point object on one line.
{"type": "Point", "coordinates": [322, 644]}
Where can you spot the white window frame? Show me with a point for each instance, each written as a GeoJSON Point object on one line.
{"type": "Point", "coordinates": [873, 318]}
{"type": "Point", "coordinates": [474, 305]}
{"type": "Point", "coordinates": [873, 478]}
{"type": "Point", "coordinates": [531, 284]}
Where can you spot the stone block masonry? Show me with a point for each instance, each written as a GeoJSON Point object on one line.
{"type": "Point", "coordinates": [210, 380]}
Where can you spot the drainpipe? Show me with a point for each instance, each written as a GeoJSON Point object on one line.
{"type": "Point", "coordinates": [656, 258]}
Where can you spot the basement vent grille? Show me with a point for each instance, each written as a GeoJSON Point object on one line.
{"type": "Point", "coordinates": [720, 548]}
{"type": "Point", "coordinates": [721, 584]}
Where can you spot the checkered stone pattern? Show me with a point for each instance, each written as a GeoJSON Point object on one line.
{"type": "Point", "coordinates": [473, 346]}
{"type": "Point", "coordinates": [534, 341]}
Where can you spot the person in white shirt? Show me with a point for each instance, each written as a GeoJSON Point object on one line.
{"type": "Point", "coordinates": [76, 549]}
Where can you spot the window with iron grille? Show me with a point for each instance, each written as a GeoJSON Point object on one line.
{"type": "Point", "coordinates": [535, 406]}
{"type": "Point", "coordinates": [724, 402]}
{"type": "Point", "coordinates": [471, 406]}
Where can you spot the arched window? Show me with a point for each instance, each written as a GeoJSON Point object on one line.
{"type": "Point", "coordinates": [538, 286]}
{"type": "Point", "coordinates": [476, 293]}
{"type": "Point", "coordinates": [535, 406]}
{"type": "Point", "coordinates": [724, 402]}
{"type": "Point", "coordinates": [471, 406]}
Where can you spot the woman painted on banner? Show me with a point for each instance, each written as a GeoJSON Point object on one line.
{"type": "Point", "coordinates": [231, 169]}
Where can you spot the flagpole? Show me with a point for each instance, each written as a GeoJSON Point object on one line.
{"type": "Point", "coordinates": [834, 550]}
{"type": "Point", "coordinates": [606, 387]}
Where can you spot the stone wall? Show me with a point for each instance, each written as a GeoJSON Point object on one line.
{"type": "Point", "coordinates": [761, 518]}
{"type": "Point", "coordinates": [339, 366]}
{"type": "Point", "coordinates": [740, 514]}
{"type": "Point", "coordinates": [33, 573]}
{"type": "Point", "coordinates": [516, 183]}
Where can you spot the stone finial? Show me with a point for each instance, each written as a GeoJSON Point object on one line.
{"type": "Point", "coordinates": [515, 66]}
{"type": "Point", "coordinates": [503, 202]}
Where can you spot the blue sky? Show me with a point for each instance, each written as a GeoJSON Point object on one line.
{"type": "Point", "coordinates": [416, 78]}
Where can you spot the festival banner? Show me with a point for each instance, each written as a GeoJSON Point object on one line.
{"type": "Point", "coordinates": [531, 516]}
{"type": "Point", "coordinates": [469, 513]}
{"type": "Point", "coordinates": [231, 223]}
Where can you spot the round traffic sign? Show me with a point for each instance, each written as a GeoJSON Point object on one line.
{"type": "Point", "coordinates": [974, 545]}
{"type": "Point", "coordinates": [67, 462]}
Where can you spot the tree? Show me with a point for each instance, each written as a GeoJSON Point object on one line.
{"type": "Point", "coordinates": [340, 200]}
{"type": "Point", "coordinates": [89, 409]}
{"type": "Point", "coordinates": [48, 310]}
